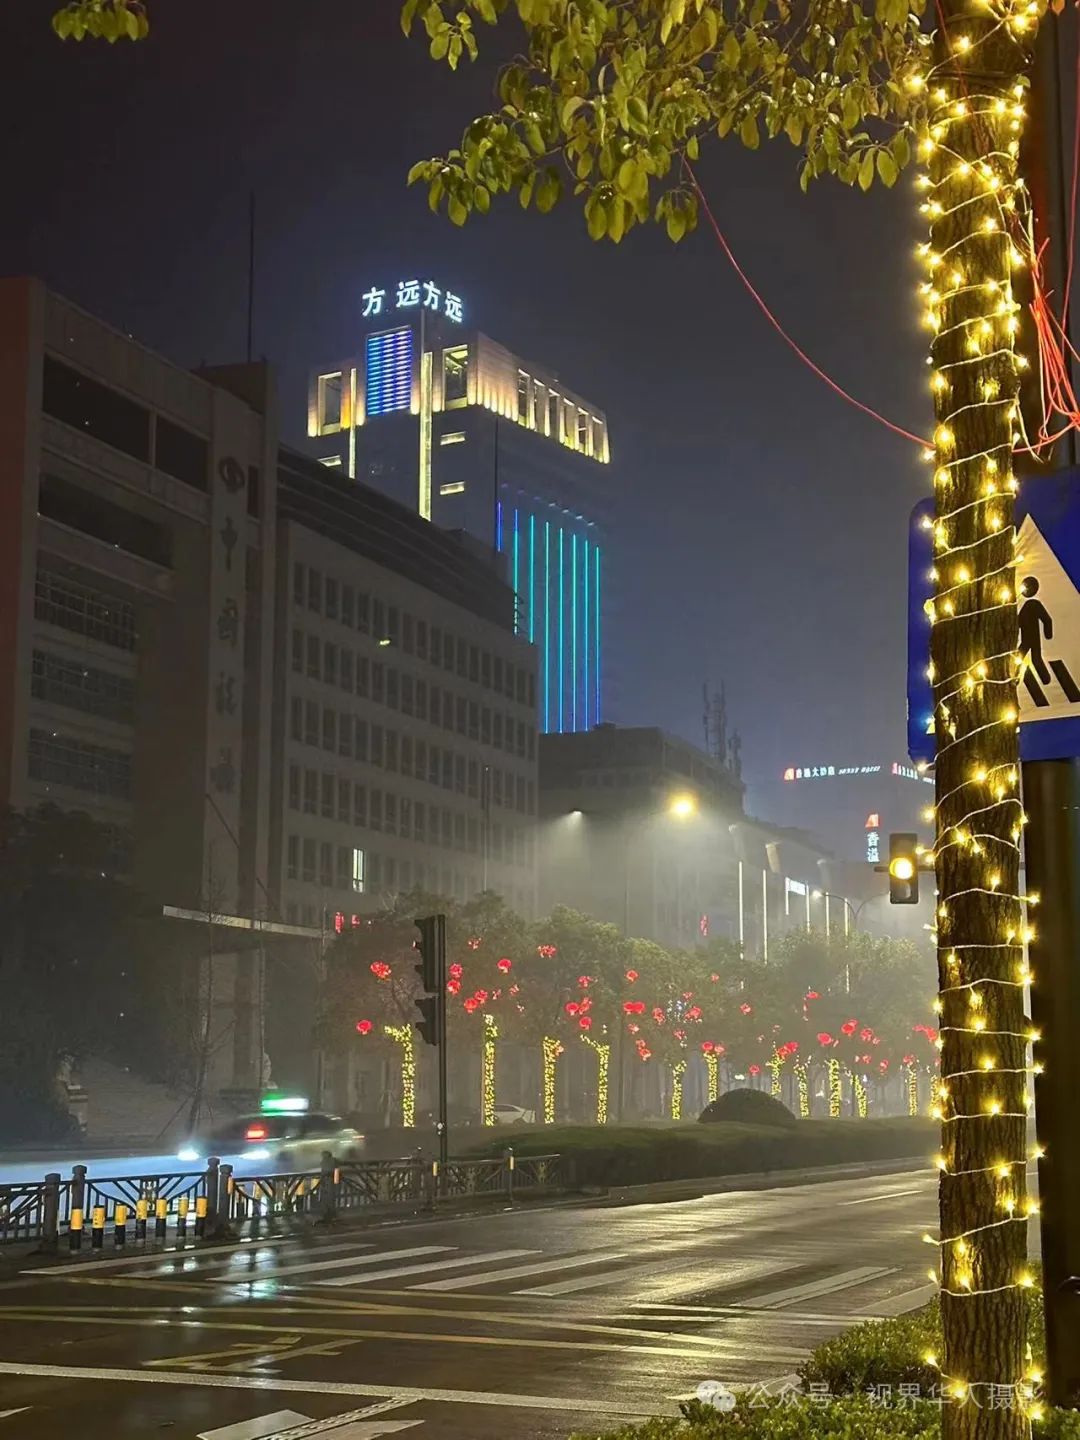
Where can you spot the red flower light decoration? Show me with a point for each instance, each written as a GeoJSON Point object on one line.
{"type": "Point", "coordinates": [755, 1069]}
{"type": "Point", "coordinates": [707, 1047]}
{"type": "Point", "coordinates": [634, 1007]}
{"type": "Point", "coordinates": [909, 1060]}
{"type": "Point", "coordinates": [812, 995]}
{"type": "Point", "coordinates": [849, 1027]}
{"type": "Point", "coordinates": [585, 981]}
{"type": "Point", "coordinates": [585, 1022]}
{"type": "Point", "coordinates": [504, 965]}
{"type": "Point", "coordinates": [714, 978]}
{"type": "Point", "coordinates": [694, 1013]}
{"type": "Point", "coordinates": [453, 987]}
{"type": "Point", "coordinates": [480, 996]}
{"type": "Point", "coordinates": [679, 1034]}
{"type": "Point", "coordinates": [634, 1029]}
{"type": "Point", "coordinates": [365, 1027]}
{"type": "Point", "coordinates": [547, 951]}
{"type": "Point", "coordinates": [866, 1034]}
{"type": "Point", "coordinates": [721, 1049]}
{"type": "Point", "coordinates": [380, 969]}
{"type": "Point", "coordinates": [746, 1009]}
{"type": "Point", "coordinates": [471, 1004]}
{"type": "Point", "coordinates": [824, 1038]}
{"type": "Point", "coordinates": [658, 1015]}
{"type": "Point", "coordinates": [571, 1007]}
{"type": "Point", "coordinates": [631, 975]}
{"type": "Point", "coordinates": [515, 989]}
{"type": "Point", "coordinates": [688, 994]}
{"type": "Point", "coordinates": [456, 971]}
{"type": "Point", "coordinates": [586, 1004]}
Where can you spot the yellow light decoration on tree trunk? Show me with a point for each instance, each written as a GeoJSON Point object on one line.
{"type": "Point", "coordinates": [712, 1065]}
{"type": "Point", "coordinates": [976, 211]}
{"type": "Point", "coordinates": [802, 1076]}
{"type": "Point", "coordinates": [858, 1086]}
{"type": "Point", "coordinates": [487, 1070]}
{"type": "Point", "coordinates": [776, 1066]}
{"type": "Point", "coordinates": [677, 1072]}
{"type": "Point", "coordinates": [836, 1089]}
{"type": "Point", "coordinates": [912, 1090]}
{"type": "Point", "coordinates": [403, 1034]}
{"type": "Point", "coordinates": [603, 1057]}
{"type": "Point", "coordinates": [552, 1049]}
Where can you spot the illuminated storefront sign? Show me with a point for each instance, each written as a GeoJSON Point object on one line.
{"type": "Point", "coordinates": [873, 838]}
{"type": "Point", "coordinates": [413, 295]}
{"type": "Point", "coordinates": [832, 772]}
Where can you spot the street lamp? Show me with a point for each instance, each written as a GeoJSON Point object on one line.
{"type": "Point", "coordinates": [683, 805]}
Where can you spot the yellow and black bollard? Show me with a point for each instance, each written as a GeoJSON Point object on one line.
{"type": "Point", "coordinates": [181, 1217]}
{"type": "Point", "coordinates": [120, 1225]}
{"type": "Point", "coordinates": [75, 1227]}
{"type": "Point", "coordinates": [141, 1209]}
{"type": "Point", "coordinates": [200, 1217]}
{"type": "Point", "coordinates": [97, 1227]}
{"type": "Point", "coordinates": [161, 1219]}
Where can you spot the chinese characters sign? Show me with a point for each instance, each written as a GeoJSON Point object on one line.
{"type": "Point", "coordinates": [413, 295]}
{"type": "Point", "coordinates": [829, 772]}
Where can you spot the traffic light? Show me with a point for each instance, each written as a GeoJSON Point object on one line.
{"type": "Point", "coordinates": [431, 973]}
{"type": "Point", "coordinates": [428, 948]}
{"type": "Point", "coordinates": [903, 869]}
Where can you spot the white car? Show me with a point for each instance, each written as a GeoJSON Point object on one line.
{"type": "Point", "coordinates": [514, 1115]}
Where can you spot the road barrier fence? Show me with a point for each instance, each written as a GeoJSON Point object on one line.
{"type": "Point", "coordinates": [214, 1202]}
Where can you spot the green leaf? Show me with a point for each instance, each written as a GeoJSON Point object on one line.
{"type": "Point", "coordinates": [887, 168]}
{"type": "Point", "coordinates": [596, 217]}
{"type": "Point", "coordinates": [866, 170]}
{"type": "Point", "coordinates": [749, 133]}
{"type": "Point", "coordinates": [547, 191]}
{"type": "Point", "coordinates": [440, 45]}
{"type": "Point", "coordinates": [570, 109]}
{"type": "Point", "coordinates": [692, 148]}
{"type": "Point", "coordinates": [408, 15]}
{"type": "Point", "coordinates": [418, 172]}
{"type": "Point", "coordinates": [676, 225]}
{"type": "Point", "coordinates": [627, 176]}
{"type": "Point", "coordinates": [526, 192]}
{"type": "Point", "coordinates": [457, 212]}
{"type": "Point", "coordinates": [731, 51]}
{"type": "Point", "coordinates": [793, 126]}
{"type": "Point", "coordinates": [617, 219]}
{"type": "Point", "coordinates": [901, 149]}
{"type": "Point", "coordinates": [482, 199]}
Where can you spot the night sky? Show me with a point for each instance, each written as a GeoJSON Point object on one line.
{"type": "Point", "coordinates": [760, 522]}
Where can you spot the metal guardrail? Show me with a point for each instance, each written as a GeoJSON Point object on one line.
{"type": "Point", "coordinates": [215, 1201]}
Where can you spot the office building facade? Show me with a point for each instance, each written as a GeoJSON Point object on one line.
{"type": "Point", "coordinates": [447, 420]}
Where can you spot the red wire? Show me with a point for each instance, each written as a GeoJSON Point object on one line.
{"type": "Point", "coordinates": [838, 389]}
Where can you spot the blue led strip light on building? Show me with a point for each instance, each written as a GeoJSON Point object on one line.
{"type": "Point", "coordinates": [585, 628]}
{"type": "Point", "coordinates": [562, 607]}
{"type": "Point", "coordinates": [573, 632]}
{"type": "Point", "coordinates": [498, 526]}
{"type": "Point", "coordinates": [389, 372]}
{"type": "Point", "coordinates": [532, 578]}
{"type": "Point", "coordinates": [547, 626]}
{"type": "Point", "coordinates": [517, 587]}
{"type": "Point", "coordinates": [596, 627]}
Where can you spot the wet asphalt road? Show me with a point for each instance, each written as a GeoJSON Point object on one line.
{"type": "Point", "coordinates": [530, 1323]}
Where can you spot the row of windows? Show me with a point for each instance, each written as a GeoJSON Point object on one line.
{"type": "Point", "coordinates": [354, 803]}
{"type": "Point", "coordinates": [61, 681]}
{"type": "Point", "coordinates": [95, 769]}
{"type": "Point", "coordinates": [59, 600]}
{"type": "Point", "coordinates": [399, 690]}
{"type": "Point", "coordinates": [355, 739]}
{"type": "Point", "coordinates": [345, 867]}
{"type": "Point", "coordinates": [357, 609]}
{"type": "Point", "coordinates": [113, 525]}
{"type": "Point", "coordinates": [546, 411]}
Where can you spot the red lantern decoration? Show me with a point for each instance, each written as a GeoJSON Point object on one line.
{"type": "Point", "coordinates": [707, 1047]}
{"type": "Point", "coordinates": [380, 969]}
{"type": "Point", "coordinates": [471, 1004]}
{"type": "Point", "coordinates": [631, 975]}
{"type": "Point", "coordinates": [849, 1027]}
{"type": "Point", "coordinates": [755, 1069]}
{"type": "Point", "coordinates": [585, 1022]}
{"type": "Point", "coordinates": [453, 986]}
{"type": "Point", "coordinates": [824, 1038]}
{"type": "Point", "coordinates": [547, 951]}
{"type": "Point", "coordinates": [481, 996]}
{"type": "Point", "coordinates": [571, 1007]}
{"type": "Point", "coordinates": [504, 965]}
{"type": "Point", "coordinates": [455, 971]}
{"type": "Point", "coordinates": [694, 1013]}
{"type": "Point", "coordinates": [634, 1007]}
{"type": "Point", "coordinates": [746, 1009]}
{"type": "Point", "coordinates": [658, 1015]}
{"type": "Point", "coordinates": [364, 1027]}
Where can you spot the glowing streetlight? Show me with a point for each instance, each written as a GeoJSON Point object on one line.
{"type": "Point", "coordinates": [682, 806]}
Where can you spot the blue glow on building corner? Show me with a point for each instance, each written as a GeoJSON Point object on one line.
{"type": "Point", "coordinates": [558, 607]}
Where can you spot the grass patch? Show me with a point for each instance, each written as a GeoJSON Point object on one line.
{"type": "Point", "coordinates": [606, 1156]}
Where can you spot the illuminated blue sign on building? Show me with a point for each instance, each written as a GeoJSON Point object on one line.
{"type": "Point", "coordinates": [388, 385]}
{"type": "Point", "coordinates": [414, 295]}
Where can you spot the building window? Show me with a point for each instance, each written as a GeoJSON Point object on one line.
{"type": "Point", "coordinates": [329, 730]}
{"type": "Point", "coordinates": [554, 411]}
{"type": "Point", "coordinates": [452, 437]}
{"type": "Point", "coordinates": [313, 657]}
{"type": "Point", "coordinates": [344, 867]}
{"type": "Point", "coordinates": [598, 439]}
{"type": "Point", "coordinates": [113, 525]}
{"type": "Point", "coordinates": [453, 487]}
{"type": "Point", "coordinates": [448, 653]}
{"type": "Point", "coordinates": [523, 397]}
{"type": "Point", "coordinates": [59, 600]}
{"type": "Point", "coordinates": [474, 780]}
{"type": "Point", "coordinates": [311, 788]}
{"type": "Point", "coordinates": [298, 651]}
{"type": "Point", "coordinates": [348, 605]}
{"type": "Point", "coordinates": [296, 718]}
{"type": "Point", "coordinates": [326, 864]}
{"type": "Point", "coordinates": [455, 377]}
{"type": "Point", "coordinates": [462, 710]}
{"type": "Point", "coordinates": [94, 769]}
{"type": "Point", "coordinates": [345, 736]}
{"type": "Point", "coordinates": [358, 871]}
{"type": "Point", "coordinates": [60, 681]}
{"type": "Point", "coordinates": [359, 803]}
{"type": "Point", "coordinates": [459, 774]}
{"type": "Point", "coordinates": [390, 750]}
{"type": "Point", "coordinates": [377, 746]}
{"type": "Point", "coordinates": [360, 749]}
{"type": "Point", "coordinates": [433, 765]}
{"type": "Point", "coordinates": [462, 660]}
{"type": "Point", "coordinates": [331, 598]}
{"type": "Point", "coordinates": [389, 371]}
{"type": "Point", "coordinates": [299, 588]}
{"type": "Point", "coordinates": [292, 860]}
{"type": "Point", "coordinates": [375, 810]}
{"type": "Point", "coordinates": [294, 787]}
{"type": "Point", "coordinates": [363, 611]}
{"type": "Point", "coordinates": [330, 654]}
{"type": "Point", "coordinates": [378, 682]}
{"type": "Point", "coordinates": [421, 640]}
{"type": "Point", "coordinates": [94, 409]}
{"type": "Point", "coordinates": [582, 431]}
{"type": "Point", "coordinates": [311, 723]}
{"type": "Point", "coordinates": [329, 418]}
{"type": "Point", "coordinates": [406, 694]}
{"type": "Point", "coordinates": [363, 676]}
{"type": "Point", "coordinates": [347, 671]}
{"type": "Point", "coordinates": [390, 813]}
{"type": "Point", "coordinates": [181, 454]}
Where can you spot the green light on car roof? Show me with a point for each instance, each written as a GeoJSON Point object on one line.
{"type": "Point", "coordinates": [283, 1105]}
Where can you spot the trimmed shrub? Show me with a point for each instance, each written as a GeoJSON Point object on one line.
{"type": "Point", "coordinates": [752, 1107]}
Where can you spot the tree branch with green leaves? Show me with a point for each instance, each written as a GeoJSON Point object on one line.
{"type": "Point", "coordinates": [109, 20]}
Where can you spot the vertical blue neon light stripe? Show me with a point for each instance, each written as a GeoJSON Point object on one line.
{"type": "Point", "coordinates": [562, 607]}
{"type": "Point", "coordinates": [585, 632]}
{"type": "Point", "coordinates": [596, 628]}
{"type": "Point", "coordinates": [532, 579]}
{"type": "Point", "coordinates": [547, 627]}
{"type": "Point", "coordinates": [573, 631]}
{"type": "Point", "coordinates": [498, 526]}
{"type": "Point", "coordinates": [517, 590]}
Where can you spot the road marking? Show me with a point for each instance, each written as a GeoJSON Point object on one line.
{"type": "Point", "coordinates": [253, 1357]}
{"type": "Point", "coordinates": [45, 1272]}
{"type": "Point", "coordinates": [289, 1425]}
{"type": "Point", "coordinates": [568, 1287]}
{"type": "Point", "coordinates": [886, 1195]}
{"type": "Point", "coordinates": [326, 1387]}
{"type": "Point", "coordinates": [777, 1299]}
{"type": "Point", "coordinates": [423, 1269]}
{"type": "Point", "coordinates": [379, 1258]}
{"type": "Point", "coordinates": [901, 1304]}
{"type": "Point", "coordinates": [21, 1410]}
{"type": "Point", "coordinates": [519, 1272]}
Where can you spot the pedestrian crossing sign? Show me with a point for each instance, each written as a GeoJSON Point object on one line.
{"type": "Point", "coordinates": [1048, 620]}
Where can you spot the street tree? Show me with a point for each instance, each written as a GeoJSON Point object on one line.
{"type": "Point", "coordinates": [610, 102]}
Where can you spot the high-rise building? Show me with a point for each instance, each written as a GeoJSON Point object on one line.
{"type": "Point", "coordinates": [476, 439]}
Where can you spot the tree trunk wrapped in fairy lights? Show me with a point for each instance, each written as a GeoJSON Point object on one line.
{"type": "Point", "coordinates": [973, 201]}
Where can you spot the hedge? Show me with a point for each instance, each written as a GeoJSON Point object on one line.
{"type": "Point", "coordinates": [637, 1154]}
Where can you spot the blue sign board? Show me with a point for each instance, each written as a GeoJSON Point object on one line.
{"type": "Point", "coordinates": [1048, 581]}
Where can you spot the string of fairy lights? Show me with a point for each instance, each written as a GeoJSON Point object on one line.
{"type": "Point", "coordinates": [551, 1049]}
{"type": "Point", "coordinates": [403, 1035]}
{"type": "Point", "coordinates": [602, 1050]}
{"type": "Point", "coordinates": [487, 1070]}
{"type": "Point", "coordinates": [974, 204]}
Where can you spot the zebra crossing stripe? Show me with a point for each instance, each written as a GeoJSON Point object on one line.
{"type": "Point", "coordinates": [379, 1258]}
{"type": "Point", "coordinates": [519, 1272]}
{"type": "Point", "coordinates": [289, 1425]}
{"type": "Point", "coordinates": [399, 1270]}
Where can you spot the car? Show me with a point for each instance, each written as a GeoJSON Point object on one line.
{"type": "Point", "coordinates": [295, 1140]}
{"type": "Point", "coordinates": [514, 1115]}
